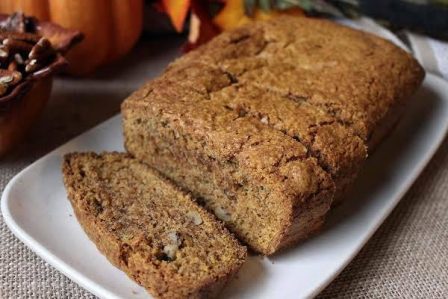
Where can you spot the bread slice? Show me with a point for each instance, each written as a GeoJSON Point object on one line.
{"type": "Point", "coordinates": [148, 228]}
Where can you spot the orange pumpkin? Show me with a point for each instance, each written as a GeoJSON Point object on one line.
{"type": "Point", "coordinates": [177, 11]}
{"type": "Point", "coordinates": [233, 15]}
{"type": "Point", "coordinates": [111, 27]}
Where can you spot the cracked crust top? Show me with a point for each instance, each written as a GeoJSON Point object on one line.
{"type": "Point", "coordinates": [354, 76]}
{"type": "Point", "coordinates": [295, 102]}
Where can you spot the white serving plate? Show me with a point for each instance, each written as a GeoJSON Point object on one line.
{"type": "Point", "coordinates": [36, 209]}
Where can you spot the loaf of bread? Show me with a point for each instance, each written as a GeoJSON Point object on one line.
{"type": "Point", "coordinates": [148, 228]}
{"type": "Point", "coordinates": [269, 123]}
{"type": "Point", "coordinates": [363, 81]}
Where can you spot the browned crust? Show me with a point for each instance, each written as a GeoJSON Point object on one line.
{"type": "Point", "coordinates": [387, 124]}
{"type": "Point", "coordinates": [300, 209]}
{"type": "Point", "coordinates": [353, 75]}
{"type": "Point", "coordinates": [357, 80]}
{"type": "Point", "coordinates": [135, 266]}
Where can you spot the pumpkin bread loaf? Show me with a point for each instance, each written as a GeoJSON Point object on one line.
{"type": "Point", "coordinates": [360, 79]}
{"type": "Point", "coordinates": [269, 123]}
{"type": "Point", "coordinates": [262, 183]}
{"type": "Point", "coordinates": [148, 228]}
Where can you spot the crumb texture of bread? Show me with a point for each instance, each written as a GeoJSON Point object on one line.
{"type": "Point", "coordinates": [269, 124]}
{"type": "Point", "coordinates": [149, 228]}
{"type": "Point", "coordinates": [252, 176]}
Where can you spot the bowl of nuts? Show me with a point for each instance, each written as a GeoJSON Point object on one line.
{"type": "Point", "coordinates": [31, 52]}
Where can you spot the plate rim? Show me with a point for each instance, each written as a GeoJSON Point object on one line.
{"type": "Point", "coordinates": [100, 291]}
{"type": "Point", "coordinates": [419, 169]}
{"type": "Point", "coordinates": [38, 248]}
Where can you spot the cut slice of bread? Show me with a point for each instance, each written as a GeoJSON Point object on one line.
{"type": "Point", "coordinates": [149, 228]}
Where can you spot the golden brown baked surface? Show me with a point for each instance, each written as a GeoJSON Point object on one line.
{"type": "Point", "coordinates": [268, 123]}
{"type": "Point", "coordinates": [148, 228]}
{"type": "Point", "coordinates": [256, 176]}
{"type": "Point", "coordinates": [352, 75]}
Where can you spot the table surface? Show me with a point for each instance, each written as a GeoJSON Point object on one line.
{"type": "Point", "coordinates": [407, 257]}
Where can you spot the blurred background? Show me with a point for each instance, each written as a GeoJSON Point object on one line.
{"type": "Point", "coordinates": [113, 46]}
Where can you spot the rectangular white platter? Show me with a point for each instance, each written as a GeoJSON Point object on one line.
{"type": "Point", "coordinates": [36, 209]}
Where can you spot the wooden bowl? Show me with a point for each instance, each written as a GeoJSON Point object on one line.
{"type": "Point", "coordinates": [22, 114]}
{"type": "Point", "coordinates": [25, 100]}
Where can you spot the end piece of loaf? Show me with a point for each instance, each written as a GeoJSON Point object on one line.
{"type": "Point", "coordinates": [261, 182]}
{"type": "Point", "coordinates": [148, 228]}
{"type": "Point", "coordinates": [271, 122]}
